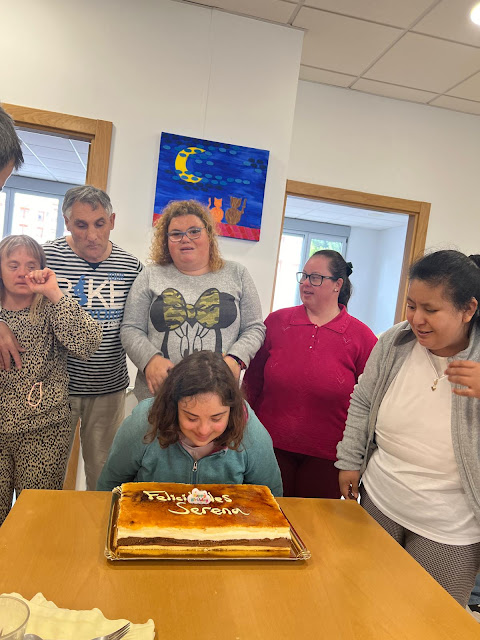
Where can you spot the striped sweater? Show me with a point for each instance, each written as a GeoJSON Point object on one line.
{"type": "Point", "coordinates": [102, 291]}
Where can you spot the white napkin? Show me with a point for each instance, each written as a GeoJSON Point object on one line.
{"type": "Point", "coordinates": [49, 621]}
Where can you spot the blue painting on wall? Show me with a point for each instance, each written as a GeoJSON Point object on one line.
{"type": "Point", "coordinates": [229, 179]}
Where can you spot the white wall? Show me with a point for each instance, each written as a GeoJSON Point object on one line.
{"type": "Point", "coordinates": [376, 256]}
{"type": "Point", "coordinates": [391, 245]}
{"type": "Point", "coordinates": [160, 66]}
{"type": "Point", "coordinates": [346, 139]}
{"type": "Point", "coordinates": [362, 252]}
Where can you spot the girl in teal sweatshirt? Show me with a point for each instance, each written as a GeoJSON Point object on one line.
{"type": "Point", "coordinates": [197, 430]}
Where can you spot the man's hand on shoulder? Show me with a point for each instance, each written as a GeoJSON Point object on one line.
{"type": "Point", "coordinates": [9, 348]}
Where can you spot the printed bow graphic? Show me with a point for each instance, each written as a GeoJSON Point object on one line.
{"type": "Point", "coordinates": [212, 310]}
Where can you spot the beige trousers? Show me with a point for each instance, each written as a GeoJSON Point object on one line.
{"type": "Point", "coordinates": [100, 417]}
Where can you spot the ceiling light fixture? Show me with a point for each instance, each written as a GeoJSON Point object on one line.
{"type": "Point", "coordinates": [475, 14]}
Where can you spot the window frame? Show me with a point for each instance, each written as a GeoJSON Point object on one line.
{"type": "Point", "coordinates": [35, 187]}
{"type": "Point", "coordinates": [308, 230]}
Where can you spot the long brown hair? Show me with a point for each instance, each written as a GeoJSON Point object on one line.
{"type": "Point", "coordinates": [159, 253]}
{"type": "Point", "coordinates": [201, 372]}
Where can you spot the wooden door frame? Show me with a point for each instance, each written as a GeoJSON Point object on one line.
{"type": "Point", "coordinates": [418, 214]}
{"type": "Point", "coordinates": [97, 132]}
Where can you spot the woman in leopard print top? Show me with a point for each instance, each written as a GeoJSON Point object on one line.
{"type": "Point", "coordinates": [34, 410]}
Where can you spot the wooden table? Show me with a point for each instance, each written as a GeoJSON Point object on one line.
{"type": "Point", "coordinates": [358, 585]}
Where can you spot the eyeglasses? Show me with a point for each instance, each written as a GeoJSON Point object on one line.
{"type": "Point", "coordinates": [192, 234]}
{"type": "Point", "coordinates": [315, 278]}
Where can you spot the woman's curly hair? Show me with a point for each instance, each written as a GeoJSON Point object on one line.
{"type": "Point", "coordinates": [159, 253]}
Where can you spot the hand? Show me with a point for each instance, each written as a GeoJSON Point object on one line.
{"type": "Point", "coordinates": [348, 481]}
{"type": "Point", "coordinates": [233, 365]}
{"type": "Point", "coordinates": [466, 373]}
{"type": "Point", "coordinates": [156, 371]}
{"type": "Point", "coordinates": [44, 281]}
{"type": "Point", "coordinates": [9, 348]}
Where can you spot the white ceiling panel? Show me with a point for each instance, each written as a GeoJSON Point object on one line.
{"type": "Point", "coordinates": [423, 62]}
{"type": "Point", "coordinates": [53, 157]}
{"type": "Point", "coordinates": [451, 19]}
{"type": "Point", "coordinates": [44, 139]}
{"type": "Point", "coordinates": [50, 153]}
{"type": "Point", "coordinates": [321, 211]}
{"type": "Point", "coordinates": [341, 44]}
{"type": "Point", "coordinates": [398, 13]}
{"type": "Point", "coordinates": [392, 91]}
{"type": "Point", "coordinates": [325, 77]}
{"type": "Point", "coordinates": [413, 50]}
{"type": "Point", "coordinates": [469, 89]}
{"type": "Point", "coordinates": [457, 104]}
{"type": "Point", "coordinates": [275, 10]}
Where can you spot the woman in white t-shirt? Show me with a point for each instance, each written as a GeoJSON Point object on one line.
{"type": "Point", "coordinates": [416, 445]}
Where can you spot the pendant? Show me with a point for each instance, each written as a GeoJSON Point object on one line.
{"type": "Point", "coordinates": [434, 386]}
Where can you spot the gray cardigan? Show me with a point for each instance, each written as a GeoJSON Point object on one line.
{"type": "Point", "coordinates": [386, 359]}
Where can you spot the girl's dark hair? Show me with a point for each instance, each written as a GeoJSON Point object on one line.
{"type": "Point", "coordinates": [201, 372]}
{"type": "Point", "coordinates": [457, 273]}
{"type": "Point", "coordinates": [340, 269]}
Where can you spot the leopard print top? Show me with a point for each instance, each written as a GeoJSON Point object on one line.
{"type": "Point", "coordinates": [62, 328]}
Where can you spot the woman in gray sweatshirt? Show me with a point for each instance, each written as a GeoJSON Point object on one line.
{"type": "Point", "coordinates": [189, 299]}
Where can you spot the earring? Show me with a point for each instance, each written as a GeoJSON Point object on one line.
{"type": "Point", "coordinates": [335, 289]}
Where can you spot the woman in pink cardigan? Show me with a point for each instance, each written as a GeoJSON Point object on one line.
{"type": "Point", "coordinates": [299, 383]}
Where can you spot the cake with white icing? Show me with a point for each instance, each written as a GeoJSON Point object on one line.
{"type": "Point", "coordinates": [171, 519]}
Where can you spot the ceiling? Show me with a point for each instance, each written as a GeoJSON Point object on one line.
{"type": "Point", "coordinates": [425, 51]}
{"type": "Point", "coordinates": [318, 211]}
{"type": "Point", "coordinates": [52, 157]}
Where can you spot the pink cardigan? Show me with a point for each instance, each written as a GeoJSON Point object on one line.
{"type": "Point", "coordinates": [299, 383]}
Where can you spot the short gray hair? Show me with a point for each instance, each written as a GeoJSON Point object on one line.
{"type": "Point", "coordinates": [10, 147]}
{"type": "Point", "coordinates": [88, 195]}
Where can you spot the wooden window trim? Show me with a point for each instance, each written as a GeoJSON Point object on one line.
{"type": "Point", "coordinates": [97, 132]}
{"type": "Point", "coordinates": [416, 236]}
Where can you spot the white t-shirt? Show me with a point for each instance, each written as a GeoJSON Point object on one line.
{"type": "Point", "coordinates": [412, 477]}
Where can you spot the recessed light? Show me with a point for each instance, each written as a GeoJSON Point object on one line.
{"type": "Point", "coordinates": [475, 14]}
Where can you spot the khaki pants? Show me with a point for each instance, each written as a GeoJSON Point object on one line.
{"type": "Point", "coordinates": [100, 417]}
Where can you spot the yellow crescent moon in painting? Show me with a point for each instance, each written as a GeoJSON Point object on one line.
{"type": "Point", "coordinates": [181, 164]}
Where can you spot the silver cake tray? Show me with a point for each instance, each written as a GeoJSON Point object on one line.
{"type": "Point", "coordinates": [298, 550]}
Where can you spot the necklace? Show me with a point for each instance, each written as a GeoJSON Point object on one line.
{"type": "Point", "coordinates": [437, 376]}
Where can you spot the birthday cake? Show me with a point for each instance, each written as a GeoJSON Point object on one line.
{"type": "Point", "coordinates": [220, 520]}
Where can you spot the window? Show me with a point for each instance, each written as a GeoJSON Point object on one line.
{"type": "Point", "coordinates": [33, 207]}
{"type": "Point", "coordinates": [300, 239]}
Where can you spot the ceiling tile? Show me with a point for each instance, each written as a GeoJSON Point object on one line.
{"type": "Point", "coordinates": [341, 44]}
{"type": "Point", "coordinates": [43, 139]}
{"type": "Point", "coordinates": [451, 19]}
{"type": "Point", "coordinates": [392, 91]}
{"type": "Point", "coordinates": [81, 146]}
{"type": "Point", "coordinates": [392, 12]}
{"type": "Point", "coordinates": [457, 104]}
{"type": "Point", "coordinates": [70, 165]}
{"type": "Point", "coordinates": [275, 10]}
{"type": "Point", "coordinates": [31, 172]}
{"type": "Point", "coordinates": [469, 89]}
{"type": "Point", "coordinates": [423, 62]}
{"type": "Point", "coordinates": [51, 153]}
{"type": "Point", "coordinates": [325, 77]}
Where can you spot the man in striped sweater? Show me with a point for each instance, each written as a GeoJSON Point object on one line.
{"type": "Point", "coordinates": [98, 274]}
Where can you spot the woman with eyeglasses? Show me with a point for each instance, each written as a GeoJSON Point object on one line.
{"type": "Point", "coordinates": [299, 383]}
{"type": "Point", "coordinates": [189, 299]}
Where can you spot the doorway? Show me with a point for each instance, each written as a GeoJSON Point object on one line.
{"type": "Point", "coordinates": [380, 235]}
